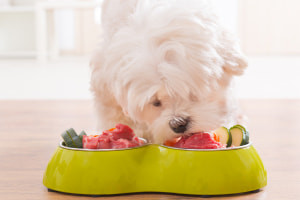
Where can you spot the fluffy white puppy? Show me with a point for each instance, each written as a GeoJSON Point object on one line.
{"type": "Point", "coordinates": [164, 68]}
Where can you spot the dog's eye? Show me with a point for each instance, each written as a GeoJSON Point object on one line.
{"type": "Point", "coordinates": [156, 103]}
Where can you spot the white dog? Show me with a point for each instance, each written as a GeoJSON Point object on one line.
{"type": "Point", "coordinates": [164, 68]}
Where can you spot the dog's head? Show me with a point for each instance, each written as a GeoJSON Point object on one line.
{"type": "Point", "coordinates": [168, 64]}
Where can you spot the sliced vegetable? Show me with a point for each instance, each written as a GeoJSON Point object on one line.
{"type": "Point", "coordinates": [71, 138]}
{"type": "Point", "coordinates": [72, 132]}
{"type": "Point", "coordinates": [82, 133]}
{"type": "Point", "coordinates": [238, 136]}
{"type": "Point", "coordinates": [224, 136]}
{"type": "Point", "coordinates": [246, 141]}
{"type": "Point", "coordinates": [247, 138]}
{"type": "Point", "coordinates": [67, 137]}
{"type": "Point", "coordinates": [77, 142]}
{"type": "Point", "coordinates": [240, 126]}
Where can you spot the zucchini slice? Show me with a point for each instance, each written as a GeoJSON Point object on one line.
{"type": "Point", "coordinates": [238, 135]}
{"type": "Point", "coordinates": [67, 139]}
{"type": "Point", "coordinates": [82, 133]}
{"type": "Point", "coordinates": [246, 141]}
{"type": "Point", "coordinates": [240, 126]}
{"type": "Point", "coordinates": [77, 142]}
{"type": "Point", "coordinates": [71, 138]}
{"type": "Point", "coordinates": [247, 138]}
{"type": "Point", "coordinates": [224, 135]}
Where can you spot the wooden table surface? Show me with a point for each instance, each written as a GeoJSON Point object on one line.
{"type": "Point", "coordinates": [30, 132]}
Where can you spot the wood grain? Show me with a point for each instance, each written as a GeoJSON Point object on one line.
{"type": "Point", "coordinates": [30, 132]}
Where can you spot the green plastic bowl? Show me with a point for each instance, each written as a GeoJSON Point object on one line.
{"type": "Point", "coordinates": [155, 168]}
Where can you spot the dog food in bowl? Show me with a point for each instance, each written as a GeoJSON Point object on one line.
{"type": "Point", "coordinates": [220, 138]}
{"type": "Point", "coordinates": [120, 137]}
{"type": "Point", "coordinates": [196, 141]}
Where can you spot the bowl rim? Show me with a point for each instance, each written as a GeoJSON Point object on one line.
{"type": "Point", "coordinates": [146, 143]}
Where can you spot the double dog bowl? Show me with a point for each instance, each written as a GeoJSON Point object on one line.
{"type": "Point", "coordinates": [155, 168]}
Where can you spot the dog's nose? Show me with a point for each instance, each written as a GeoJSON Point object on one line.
{"type": "Point", "coordinates": [178, 124]}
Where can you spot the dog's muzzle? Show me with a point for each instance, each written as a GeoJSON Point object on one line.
{"type": "Point", "coordinates": [179, 124]}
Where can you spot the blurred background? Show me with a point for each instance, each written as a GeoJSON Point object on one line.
{"type": "Point", "coordinates": [45, 47]}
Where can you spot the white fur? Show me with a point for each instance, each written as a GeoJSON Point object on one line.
{"type": "Point", "coordinates": [169, 50]}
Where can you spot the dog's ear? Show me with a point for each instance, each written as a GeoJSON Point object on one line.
{"type": "Point", "coordinates": [115, 14]}
{"type": "Point", "coordinates": [234, 60]}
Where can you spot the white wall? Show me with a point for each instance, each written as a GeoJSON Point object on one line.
{"type": "Point", "coordinates": [227, 10]}
{"type": "Point", "coordinates": [65, 26]}
{"type": "Point", "coordinates": [22, 2]}
{"type": "Point", "coordinates": [270, 27]}
{"type": "Point", "coordinates": [17, 32]}
{"type": "Point", "coordinates": [266, 76]}
{"type": "Point", "coordinates": [77, 30]}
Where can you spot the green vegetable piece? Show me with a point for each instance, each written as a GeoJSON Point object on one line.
{"type": "Point", "coordinates": [71, 138]}
{"type": "Point", "coordinates": [67, 139]}
{"type": "Point", "coordinates": [82, 133]}
{"type": "Point", "coordinates": [238, 136]}
{"type": "Point", "coordinates": [77, 142]}
{"type": "Point", "coordinates": [224, 135]}
{"type": "Point", "coordinates": [72, 132]}
{"type": "Point", "coordinates": [247, 135]}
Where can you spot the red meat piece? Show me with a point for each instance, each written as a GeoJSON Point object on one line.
{"type": "Point", "coordinates": [117, 138]}
{"type": "Point", "coordinates": [121, 131]}
{"type": "Point", "coordinates": [181, 141]}
{"type": "Point", "coordinates": [198, 141]}
{"type": "Point", "coordinates": [90, 142]}
{"type": "Point", "coordinates": [120, 144]}
{"type": "Point", "coordinates": [104, 142]}
{"type": "Point", "coordinates": [137, 141]}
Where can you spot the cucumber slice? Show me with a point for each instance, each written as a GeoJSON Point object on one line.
{"type": "Point", "coordinates": [77, 142]}
{"type": "Point", "coordinates": [71, 138]}
{"type": "Point", "coordinates": [224, 135]}
{"type": "Point", "coordinates": [67, 139]}
{"type": "Point", "coordinates": [238, 136]}
{"type": "Point", "coordinates": [72, 132]}
{"type": "Point", "coordinates": [246, 141]}
{"type": "Point", "coordinates": [246, 138]}
{"type": "Point", "coordinates": [82, 133]}
{"type": "Point", "coordinates": [240, 126]}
